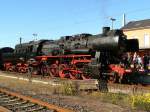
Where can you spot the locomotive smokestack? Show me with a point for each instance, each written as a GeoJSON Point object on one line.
{"type": "Point", "coordinates": [105, 30]}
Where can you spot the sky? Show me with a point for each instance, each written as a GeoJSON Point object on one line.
{"type": "Point", "coordinates": [51, 19]}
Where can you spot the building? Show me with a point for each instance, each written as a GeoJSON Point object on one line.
{"type": "Point", "coordinates": [139, 30]}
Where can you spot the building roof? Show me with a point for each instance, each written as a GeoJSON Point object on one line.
{"type": "Point", "coordinates": [137, 24]}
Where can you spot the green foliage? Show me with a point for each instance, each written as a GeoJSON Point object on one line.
{"type": "Point", "coordinates": [69, 89]}
{"type": "Point", "coordinates": [141, 102]}
{"type": "Point", "coordinates": [114, 98]}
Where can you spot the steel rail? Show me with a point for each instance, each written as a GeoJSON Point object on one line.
{"type": "Point", "coordinates": [36, 101]}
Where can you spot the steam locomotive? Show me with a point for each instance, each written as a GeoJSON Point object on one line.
{"type": "Point", "coordinates": [81, 56]}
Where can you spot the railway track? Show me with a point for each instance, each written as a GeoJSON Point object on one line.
{"type": "Point", "coordinates": [14, 102]}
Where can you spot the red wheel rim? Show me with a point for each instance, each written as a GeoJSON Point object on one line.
{"type": "Point", "coordinates": [54, 69]}
{"type": "Point", "coordinates": [62, 73]}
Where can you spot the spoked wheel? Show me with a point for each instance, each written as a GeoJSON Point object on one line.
{"type": "Point", "coordinates": [10, 69]}
{"type": "Point", "coordinates": [62, 66]}
{"type": "Point", "coordinates": [78, 76]}
{"type": "Point", "coordinates": [72, 76]}
{"type": "Point", "coordinates": [44, 71]}
{"type": "Point", "coordinates": [63, 71]}
{"type": "Point", "coordinates": [54, 70]}
{"type": "Point", "coordinates": [75, 74]}
{"type": "Point", "coordinates": [22, 70]}
{"type": "Point", "coordinates": [32, 71]}
{"type": "Point", "coordinates": [64, 74]}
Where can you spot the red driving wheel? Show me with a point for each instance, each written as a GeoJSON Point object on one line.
{"type": "Point", "coordinates": [54, 69]}
{"type": "Point", "coordinates": [63, 72]}
{"type": "Point", "coordinates": [22, 70]}
{"type": "Point", "coordinates": [75, 74]}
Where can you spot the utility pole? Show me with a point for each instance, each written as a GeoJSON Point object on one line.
{"type": "Point", "coordinates": [20, 39]}
{"type": "Point", "coordinates": [112, 22]}
{"type": "Point", "coordinates": [123, 20]}
{"type": "Point", "coordinates": [35, 36]}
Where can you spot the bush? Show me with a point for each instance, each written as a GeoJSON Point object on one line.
{"type": "Point", "coordinates": [69, 89]}
{"type": "Point", "coordinates": [141, 102]}
{"type": "Point", "coordinates": [135, 102]}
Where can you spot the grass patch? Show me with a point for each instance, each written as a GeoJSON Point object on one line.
{"type": "Point", "coordinates": [135, 102]}
{"type": "Point", "coordinates": [69, 88]}
{"type": "Point", "coordinates": [113, 98]}
{"type": "Point", "coordinates": [141, 102]}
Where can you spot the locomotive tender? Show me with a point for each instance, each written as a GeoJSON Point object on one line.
{"type": "Point", "coordinates": [100, 54]}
